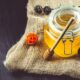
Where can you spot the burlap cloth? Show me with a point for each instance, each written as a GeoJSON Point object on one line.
{"type": "Point", "coordinates": [28, 58]}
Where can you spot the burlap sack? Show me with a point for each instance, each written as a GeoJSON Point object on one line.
{"type": "Point", "coordinates": [28, 58]}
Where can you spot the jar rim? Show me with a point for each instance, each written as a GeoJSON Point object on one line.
{"type": "Point", "coordinates": [55, 27]}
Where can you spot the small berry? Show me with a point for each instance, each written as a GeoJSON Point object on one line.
{"type": "Point", "coordinates": [47, 10]}
{"type": "Point", "coordinates": [31, 39]}
{"type": "Point", "coordinates": [38, 9]}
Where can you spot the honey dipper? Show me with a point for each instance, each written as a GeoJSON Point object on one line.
{"type": "Point", "coordinates": [49, 52]}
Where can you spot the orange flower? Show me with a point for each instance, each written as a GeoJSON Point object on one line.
{"type": "Point", "coordinates": [31, 39]}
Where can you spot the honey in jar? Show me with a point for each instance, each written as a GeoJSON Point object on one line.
{"type": "Point", "coordinates": [58, 19]}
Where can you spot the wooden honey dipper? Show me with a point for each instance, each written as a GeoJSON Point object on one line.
{"type": "Point", "coordinates": [49, 52]}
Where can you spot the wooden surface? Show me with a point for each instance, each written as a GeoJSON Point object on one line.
{"type": "Point", "coordinates": [12, 25]}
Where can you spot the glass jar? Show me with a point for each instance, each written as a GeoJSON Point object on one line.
{"type": "Point", "coordinates": [58, 19]}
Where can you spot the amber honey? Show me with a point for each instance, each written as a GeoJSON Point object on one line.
{"type": "Point", "coordinates": [63, 19]}
{"type": "Point", "coordinates": [70, 43]}
{"type": "Point", "coordinates": [59, 50]}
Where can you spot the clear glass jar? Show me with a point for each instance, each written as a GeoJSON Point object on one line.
{"type": "Point", "coordinates": [57, 21]}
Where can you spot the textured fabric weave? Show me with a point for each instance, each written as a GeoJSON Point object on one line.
{"type": "Point", "coordinates": [28, 58]}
